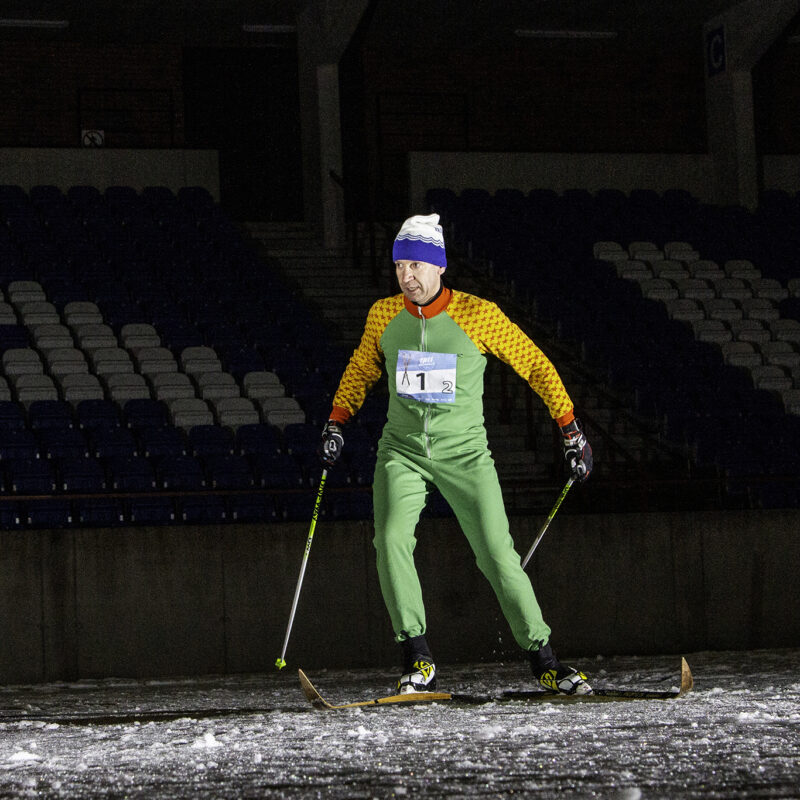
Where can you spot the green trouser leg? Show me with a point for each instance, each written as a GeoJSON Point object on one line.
{"type": "Point", "coordinates": [399, 492]}
{"type": "Point", "coordinates": [468, 481]}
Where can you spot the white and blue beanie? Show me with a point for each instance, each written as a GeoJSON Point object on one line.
{"type": "Point", "coordinates": [420, 239]}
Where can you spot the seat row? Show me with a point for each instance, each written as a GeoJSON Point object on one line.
{"type": "Point", "coordinates": [732, 307]}
{"type": "Point", "coordinates": [130, 299]}
{"type": "Point", "coordinates": [120, 469]}
{"type": "Point", "coordinates": [51, 429]}
{"type": "Point", "coordinates": [697, 288]}
{"type": "Point", "coordinates": [722, 323]}
{"type": "Point", "coordinates": [54, 366]}
{"type": "Point", "coordinates": [219, 403]}
{"type": "Point", "coordinates": [200, 509]}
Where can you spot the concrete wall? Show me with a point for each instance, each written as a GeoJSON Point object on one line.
{"type": "Point", "coordinates": [592, 171]}
{"type": "Point", "coordinates": [65, 167]}
{"type": "Point", "coordinates": [183, 600]}
{"type": "Point", "coordinates": [781, 172]}
{"type": "Point", "coordinates": [559, 171]}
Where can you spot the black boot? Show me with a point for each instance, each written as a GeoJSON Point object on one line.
{"type": "Point", "coordinates": [553, 675]}
{"type": "Point", "coordinates": [419, 671]}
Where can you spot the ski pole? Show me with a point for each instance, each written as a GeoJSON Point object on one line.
{"type": "Point", "coordinates": [548, 521]}
{"type": "Point", "coordinates": [280, 662]}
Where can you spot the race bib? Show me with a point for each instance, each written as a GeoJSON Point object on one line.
{"type": "Point", "coordinates": [427, 377]}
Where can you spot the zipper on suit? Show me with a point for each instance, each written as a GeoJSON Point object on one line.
{"type": "Point", "coordinates": [426, 418]}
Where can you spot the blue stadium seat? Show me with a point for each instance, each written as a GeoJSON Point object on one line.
{"type": "Point", "coordinates": [99, 511]}
{"type": "Point", "coordinates": [141, 412]}
{"type": "Point", "coordinates": [53, 512]}
{"type": "Point", "coordinates": [50, 414]}
{"type": "Point", "coordinates": [351, 505]}
{"type": "Point", "coordinates": [203, 509]}
{"type": "Point", "coordinates": [276, 471]}
{"type": "Point", "coordinates": [84, 197]}
{"type": "Point", "coordinates": [45, 196]}
{"type": "Point", "coordinates": [80, 475]}
{"type": "Point", "coordinates": [208, 440]}
{"type": "Point", "coordinates": [301, 439]}
{"type": "Point", "coordinates": [260, 439]}
{"type": "Point", "coordinates": [112, 442]}
{"type": "Point", "coordinates": [130, 474]}
{"type": "Point", "coordinates": [360, 443]}
{"type": "Point", "coordinates": [151, 510]}
{"type": "Point", "coordinates": [180, 473]}
{"type": "Point", "coordinates": [228, 471]}
{"type": "Point", "coordinates": [297, 507]}
{"type": "Point", "coordinates": [10, 514]}
{"type": "Point", "coordinates": [91, 414]}
{"type": "Point", "coordinates": [252, 508]}
{"type": "Point", "coordinates": [362, 470]}
{"type": "Point", "coordinates": [16, 444]}
{"type": "Point", "coordinates": [338, 475]}
{"type": "Point", "coordinates": [12, 416]}
{"type": "Point", "coordinates": [29, 476]}
{"type": "Point", "coordinates": [13, 337]}
{"type": "Point", "coordinates": [59, 443]}
{"type": "Point", "coordinates": [163, 441]}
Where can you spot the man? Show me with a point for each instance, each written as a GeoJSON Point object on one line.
{"type": "Point", "coordinates": [432, 342]}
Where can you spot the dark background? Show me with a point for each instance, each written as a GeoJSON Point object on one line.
{"type": "Point", "coordinates": [436, 76]}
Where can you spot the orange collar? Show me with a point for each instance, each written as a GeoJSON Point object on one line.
{"type": "Point", "coordinates": [436, 307]}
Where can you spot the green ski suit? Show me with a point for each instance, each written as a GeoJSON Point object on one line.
{"type": "Point", "coordinates": [434, 356]}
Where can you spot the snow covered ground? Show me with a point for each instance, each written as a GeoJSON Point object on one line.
{"type": "Point", "coordinates": [737, 735]}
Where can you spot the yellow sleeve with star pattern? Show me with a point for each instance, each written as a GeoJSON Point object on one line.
{"type": "Point", "coordinates": [493, 332]}
{"type": "Point", "coordinates": [366, 364]}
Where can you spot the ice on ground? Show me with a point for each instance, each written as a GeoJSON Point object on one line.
{"type": "Point", "coordinates": [24, 755]}
{"type": "Point", "coordinates": [206, 742]}
{"type": "Point", "coordinates": [736, 735]}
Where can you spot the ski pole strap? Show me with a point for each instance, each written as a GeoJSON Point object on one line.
{"type": "Point", "coordinates": [549, 519]}
{"type": "Point", "coordinates": [280, 662]}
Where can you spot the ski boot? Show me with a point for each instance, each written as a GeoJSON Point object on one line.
{"type": "Point", "coordinates": [419, 671]}
{"type": "Point", "coordinates": [554, 676]}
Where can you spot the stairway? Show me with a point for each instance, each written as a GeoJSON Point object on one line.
{"type": "Point", "coordinates": [328, 280]}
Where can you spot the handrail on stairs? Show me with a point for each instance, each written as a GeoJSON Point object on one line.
{"type": "Point", "coordinates": [371, 224]}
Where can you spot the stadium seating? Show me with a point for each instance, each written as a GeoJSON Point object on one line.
{"type": "Point", "coordinates": [163, 327]}
{"type": "Point", "coordinates": [635, 275]}
{"type": "Point", "coordinates": [117, 375]}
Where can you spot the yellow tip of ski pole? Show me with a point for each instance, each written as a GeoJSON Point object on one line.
{"type": "Point", "coordinates": [280, 663]}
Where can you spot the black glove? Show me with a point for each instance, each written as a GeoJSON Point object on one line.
{"type": "Point", "coordinates": [330, 448]}
{"type": "Point", "coordinates": [577, 451]}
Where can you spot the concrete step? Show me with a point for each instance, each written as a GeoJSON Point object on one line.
{"type": "Point", "coordinates": [288, 229]}
{"type": "Point", "coordinates": [300, 258]}
{"type": "Point", "coordinates": [317, 276]}
{"type": "Point", "coordinates": [336, 294]}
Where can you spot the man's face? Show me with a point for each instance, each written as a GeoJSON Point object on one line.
{"type": "Point", "coordinates": [419, 281]}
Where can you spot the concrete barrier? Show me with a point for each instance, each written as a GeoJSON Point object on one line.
{"type": "Point", "coordinates": [164, 601]}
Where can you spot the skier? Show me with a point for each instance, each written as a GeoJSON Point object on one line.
{"type": "Point", "coordinates": [432, 342]}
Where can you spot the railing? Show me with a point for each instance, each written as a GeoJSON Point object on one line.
{"type": "Point", "coordinates": [375, 256]}
{"type": "Point", "coordinates": [568, 365]}
{"type": "Point", "coordinates": [620, 493]}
